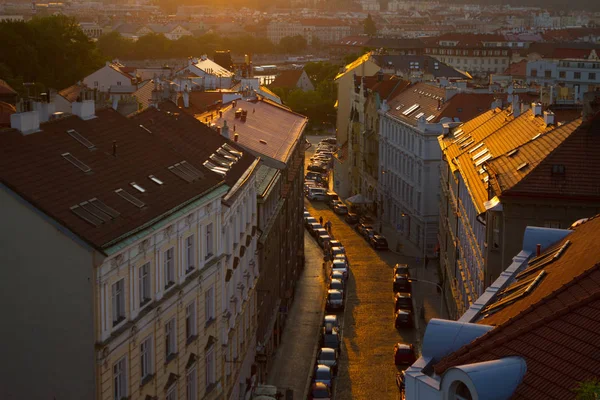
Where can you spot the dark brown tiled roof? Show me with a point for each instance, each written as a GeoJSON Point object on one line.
{"type": "Point", "coordinates": [200, 101]}
{"type": "Point", "coordinates": [72, 92]}
{"type": "Point", "coordinates": [190, 137]}
{"type": "Point", "coordinates": [32, 166]}
{"type": "Point", "coordinates": [579, 155]}
{"type": "Point", "coordinates": [287, 79]}
{"type": "Point", "coordinates": [270, 129]}
{"type": "Point", "coordinates": [466, 106]}
{"type": "Point", "coordinates": [555, 328]}
{"type": "Point", "coordinates": [390, 84]}
{"type": "Point", "coordinates": [5, 88]}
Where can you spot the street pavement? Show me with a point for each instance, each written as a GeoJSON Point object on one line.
{"type": "Point", "coordinates": [294, 358]}
{"type": "Point", "coordinates": [366, 366]}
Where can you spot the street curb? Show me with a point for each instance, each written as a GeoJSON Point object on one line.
{"type": "Point", "coordinates": [314, 352]}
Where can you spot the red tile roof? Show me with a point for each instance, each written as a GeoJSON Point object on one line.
{"type": "Point", "coordinates": [517, 69]}
{"type": "Point", "coordinates": [5, 88]}
{"type": "Point", "coordinates": [287, 79]}
{"type": "Point", "coordinates": [555, 328]}
{"type": "Point", "coordinates": [470, 40]}
{"type": "Point", "coordinates": [270, 129]}
{"type": "Point", "coordinates": [6, 110]}
{"type": "Point", "coordinates": [32, 166]}
{"type": "Point", "coordinates": [72, 92]}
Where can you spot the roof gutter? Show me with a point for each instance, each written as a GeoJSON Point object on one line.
{"type": "Point", "coordinates": [240, 182]}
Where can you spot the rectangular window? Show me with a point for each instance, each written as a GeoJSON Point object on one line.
{"type": "Point", "coordinates": [592, 76]}
{"type": "Point", "coordinates": [120, 379]}
{"type": "Point", "coordinates": [547, 74]}
{"type": "Point", "coordinates": [190, 320]}
{"type": "Point", "coordinates": [562, 74]}
{"type": "Point", "coordinates": [144, 283]}
{"type": "Point", "coordinates": [146, 358]}
{"type": "Point", "coordinates": [534, 72]}
{"type": "Point", "coordinates": [169, 267]}
{"type": "Point", "coordinates": [118, 301]}
{"type": "Point", "coordinates": [577, 75]}
{"type": "Point", "coordinates": [189, 254]}
{"type": "Point", "coordinates": [209, 304]}
{"type": "Point", "coordinates": [95, 84]}
{"type": "Point", "coordinates": [209, 241]}
{"type": "Point", "coordinates": [552, 224]}
{"type": "Point", "coordinates": [210, 366]}
{"type": "Point", "coordinates": [170, 339]}
{"type": "Point", "coordinates": [191, 384]}
{"type": "Point", "coordinates": [172, 392]}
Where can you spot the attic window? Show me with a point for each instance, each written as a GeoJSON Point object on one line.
{"type": "Point", "coordinates": [130, 198]}
{"type": "Point", "coordinates": [512, 152]}
{"type": "Point", "coordinates": [483, 159]}
{"type": "Point", "coordinates": [481, 153]}
{"type": "Point", "coordinates": [458, 132]}
{"type": "Point", "coordinates": [138, 187]}
{"type": "Point", "coordinates": [558, 169]}
{"type": "Point", "coordinates": [77, 136]}
{"type": "Point", "coordinates": [513, 295]}
{"type": "Point", "coordinates": [540, 262]}
{"type": "Point", "coordinates": [431, 117]}
{"type": "Point", "coordinates": [411, 109]}
{"type": "Point", "coordinates": [536, 136]}
{"type": "Point", "coordinates": [474, 149]}
{"type": "Point", "coordinates": [185, 171]}
{"type": "Point", "coordinates": [419, 115]}
{"type": "Point", "coordinates": [94, 212]}
{"type": "Point", "coordinates": [522, 166]}
{"type": "Point", "coordinates": [155, 180]}
{"type": "Point", "coordinates": [467, 144]}
{"type": "Point", "coordinates": [76, 162]}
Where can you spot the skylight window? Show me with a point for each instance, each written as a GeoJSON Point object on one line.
{"type": "Point", "coordinates": [76, 162]}
{"type": "Point", "coordinates": [522, 166]}
{"type": "Point", "coordinates": [474, 149]}
{"type": "Point", "coordinates": [483, 159]}
{"type": "Point", "coordinates": [94, 212]}
{"type": "Point", "coordinates": [233, 151]}
{"type": "Point", "coordinates": [419, 115]}
{"type": "Point", "coordinates": [512, 152]}
{"type": "Point", "coordinates": [411, 109]}
{"type": "Point", "coordinates": [463, 139]}
{"type": "Point", "coordinates": [186, 171]}
{"type": "Point", "coordinates": [467, 144]}
{"type": "Point", "coordinates": [536, 136]}
{"type": "Point", "coordinates": [431, 117]}
{"type": "Point", "coordinates": [77, 136]}
{"type": "Point", "coordinates": [130, 198]}
{"type": "Point", "coordinates": [481, 153]}
{"type": "Point", "coordinates": [138, 187]}
{"type": "Point", "coordinates": [540, 262]}
{"type": "Point", "coordinates": [458, 132]}
{"type": "Point", "coordinates": [515, 295]}
{"type": "Point", "coordinates": [155, 180]}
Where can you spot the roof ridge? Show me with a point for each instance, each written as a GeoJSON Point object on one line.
{"type": "Point", "coordinates": [466, 349]}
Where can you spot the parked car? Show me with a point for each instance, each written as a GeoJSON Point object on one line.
{"type": "Point", "coordinates": [335, 251]}
{"type": "Point", "coordinates": [337, 284]}
{"type": "Point", "coordinates": [342, 257]}
{"type": "Point", "coordinates": [401, 269]}
{"type": "Point", "coordinates": [323, 374]}
{"type": "Point", "coordinates": [319, 390]}
{"type": "Point", "coordinates": [330, 140]}
{"type": "Point", "coordinates": [333, 203]}
{"type": "Point", "coordinates": [365, 219]}
{"type": "Point", "coordinates": [312, 176]}
{"type": "Point", "coordinates": [310, 220]}
{"type": "Point", "coordinates": [313, 227]}
{"type": "Point", "coordinates": [403, 301]}
{"type": "Point", "coordinates": [404, 354]}
{"type": "Point", "coordinates": [319, 231]}
{"type": "Point", "coordinates": [340, 209]}
{"type": "Point", "coordinates": [328, 356]}
{"type": "Point", "coordinates": [360, 228]}
{"type": "Point", "coordinates": [317, 167]}
{"type": "Point", "coordinates": [323, 239]}
{"type": "Point", "coordinates": [402, 283]}
{"type": "Point", "coordinates": [368, 233]}
{"type": "Point", "coordinates": [333, 243]}
{"type": "Point", "coordinates": [403, 319]}
{"type": "Point", "coordinates": [316, 193]}
{"type": "Point", "coordinates": [341, 266]}
{"type": "Point", "coordinates": [335, 300]}
{"type": "Point", "coordinates": [351, 218]}
{"type": "Point", "coordinates": [337, 274]}
{"type": "Point", "coordinates": [331, 338]}
{"type": "Point", "coordinates": [332, 320]}
{"type": "Point", "coordinates": [378, 242]}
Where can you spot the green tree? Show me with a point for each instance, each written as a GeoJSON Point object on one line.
{"type": "Point", "coordinates": [292, 44]}
{"type": "Point", "coordinates": [153, 45]}
{"type": "Point", "coordinates": [369, 26]}
{"type": "Point", "coordinates": [112, 45]}
{"type": "Point", "coordinates": [588, 390]}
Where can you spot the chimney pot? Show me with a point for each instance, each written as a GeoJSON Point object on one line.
{"type": "Point", "coordinates": [235, 137]}
{"type": "Point", "coordinates": [548, 117]}
{"type": "Point", "coordinates": [538, 250]}
{"type": "Point", "coordinates": [537, 109]}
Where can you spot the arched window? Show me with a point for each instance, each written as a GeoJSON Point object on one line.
{"type": "Point", "coordinates": [460, 391]}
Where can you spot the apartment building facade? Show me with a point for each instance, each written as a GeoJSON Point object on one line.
{"type": "Point", "coordinates": [494, 169]}
{"type": "Point", "coordinates": [131, 300]}
{"type": "Point", "coordinates": [325, 30]}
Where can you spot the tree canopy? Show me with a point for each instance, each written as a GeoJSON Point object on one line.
{"type": "Point", "coordinates": [52, 51]}
{"type": "Point", "coordinates": [588, 390]}
{"type": "Point", "coordinates": [369, 26]}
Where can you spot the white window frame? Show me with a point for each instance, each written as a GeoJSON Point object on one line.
{"type": "Point", "coordinates": [169, 267]}
{"type": "Point", "coordinates": [170, 338]}
{"type": "Point", "coordinates": [146, 362]}
{"type": "Point", "coordinates": [209, 304]}
{"type": "Point", "coordinates": [209, 241]}
{"type": "Point", "coordinates": [118, 302]}
{"type": "Point", "coordinates": [145, 284]}
{"type": "Point", "coordinates": [210, 366]}
{"type": "Point", "coordinates": [191, 383]}
{"type": "Point", "coordinates": [172, 392]}
{"type": "Point", "coordinates": [191, 321]}
{"type": "Point", "coordinates": [190, 257]}
{"type": "Point", "coordinates": [120, 379]}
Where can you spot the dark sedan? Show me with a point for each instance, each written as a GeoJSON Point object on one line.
{"type": "Point", "coordinates": [351, 218]}
{"type": "Point", "coordinates": [402, 284]}
{"type": "Point", "coordinates": [404, 319]}
{"type": "Point", "coordinates": [378, 242]}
